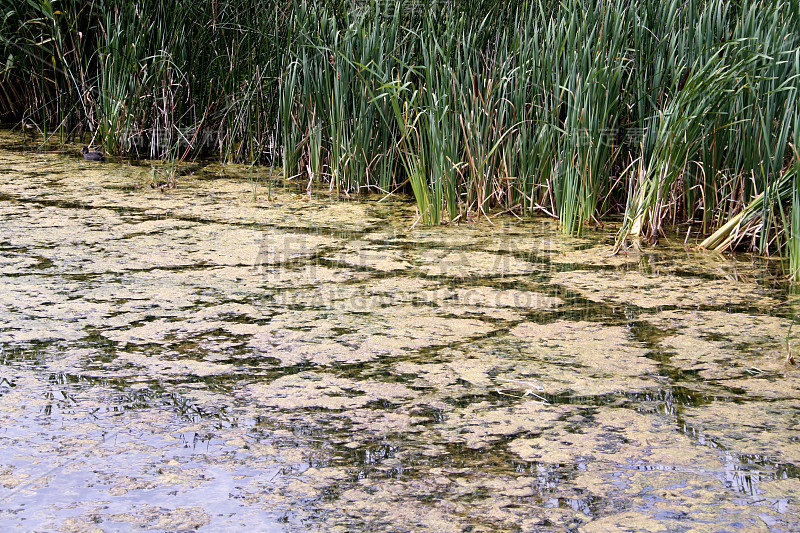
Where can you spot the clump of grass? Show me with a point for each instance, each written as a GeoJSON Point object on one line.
{"type": "Point", "coordinates": [141, 76]}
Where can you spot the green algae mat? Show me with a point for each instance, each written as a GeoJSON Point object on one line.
{"type": "Point", "coordinates": [231, 355]}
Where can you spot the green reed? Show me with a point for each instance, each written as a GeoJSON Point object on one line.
{"type": "Point", "coordinates": [139, 76]}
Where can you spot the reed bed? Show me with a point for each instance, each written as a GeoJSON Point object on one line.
{"type": "Point", "coordinates": [658, 113]}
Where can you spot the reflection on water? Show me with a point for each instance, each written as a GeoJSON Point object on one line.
{"type": "Point", "coordinates": [200, 359]}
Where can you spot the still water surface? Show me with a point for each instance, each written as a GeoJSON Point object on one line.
{"type": "Point", "coordinates": [231, 356]}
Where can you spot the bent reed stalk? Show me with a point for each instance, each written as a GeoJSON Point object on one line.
{"type": "Point", "coordinates": [658, 112]}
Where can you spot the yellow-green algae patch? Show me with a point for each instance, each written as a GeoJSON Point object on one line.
{"type": "Point", "coordinates": [475, 300]}
{"type": "Point", "coordinates": [585, 358]}
{"type": "Point", "coordinates": [765, 429]}
{"type": "Point", "coordinates": [740, 350]}
{"type": "Point", "coordinates": [160, 519]}
{"type": "Point", "coordinates": [602, 255]}
{"type": "Point", "coordinates": [356, 255]}
{"type": "Point", "coordinates": [45, 177]}
{"type": "Point", "coordinates": [463, 264]}
{"type": "Point", "coordinates": [319, 390]}
{"type": "Point", "coordinates": [649, 291]}
{"type": "Point", "coordinates": [664, 258]}
{"type": "Point", "coordinates": [481, 424]}
{"type": "Point", "coordinates": [617, 436]}
{"type": "Point", "coordinates": [298, 336]}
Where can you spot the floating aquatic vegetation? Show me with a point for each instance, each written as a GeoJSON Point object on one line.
{"type": "Point", "coordinates": [195, 358]}
{"type": "Point", "coordinates": [463, 264]}
{"type": "Point", "coordinates": [585, 358]}
{"type": "Point", "coordinates": [651, 290]}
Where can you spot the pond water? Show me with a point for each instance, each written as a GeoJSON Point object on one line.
{"type": "Point", "coordinates": [231, 355]}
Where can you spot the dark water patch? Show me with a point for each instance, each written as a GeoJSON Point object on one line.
{"type": "Point", "coordinates": [72, 205]}
{"type": "Point", "coordinates": [670, 401]}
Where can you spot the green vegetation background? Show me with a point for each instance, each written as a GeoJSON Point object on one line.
{"type": "Point", "coordinates": [663, 111]}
